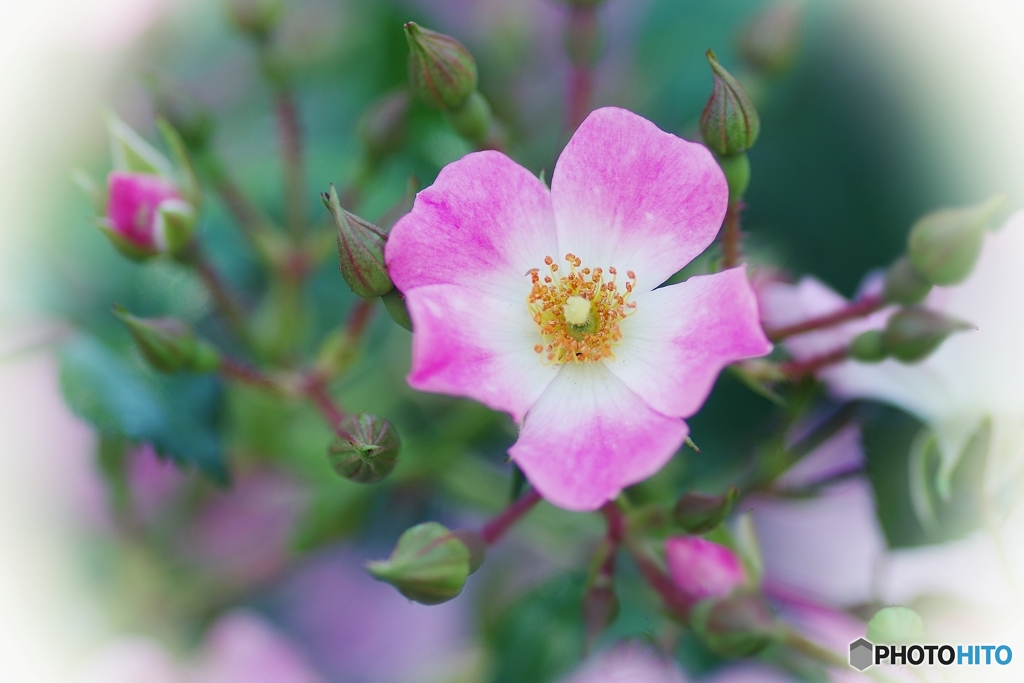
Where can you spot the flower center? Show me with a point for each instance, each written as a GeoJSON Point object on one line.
{"type": "Point", "coordinates": [578, 312]}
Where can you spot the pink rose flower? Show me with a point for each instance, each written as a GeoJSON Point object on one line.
{"type": "Point", "coordinates": [543, 304]}
{"type": "Point", "coordinates": [628, 663]}
{"type": "Point", "coordinates": [134, 201]}
{"type": "Point", "coordinates": [702, 569]}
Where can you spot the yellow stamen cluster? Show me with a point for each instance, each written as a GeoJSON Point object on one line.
{"type": "Point", "coordinates": [578, 313]}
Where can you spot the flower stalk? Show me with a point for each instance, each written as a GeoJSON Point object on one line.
{"type": "Point", "coordinates": [493, 530]}
{"type": "Point", "coordinates": [861, 308]}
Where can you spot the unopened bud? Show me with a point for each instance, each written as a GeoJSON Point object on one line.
{"type": "Point", "coordinates": [181, 110]}
{"type": "Point", "coordinates": [770, 41]}
{"type": "Point", "coordinates": [146, 215]}
{"type": "Point", "coordinates": [365, 448]}
{"type": "Point", "coordinates": [360, 250]}
{"type": "Point", "coordinates": [442, 71]}
{"type": "Point", "coordinates": [382, 127]}
{"type": "Point", "coordinates": [898, 625]}
{"type": "Point", "coordinates": [168, 344]}
{"type": "Point", "coordinates": [702, 569]}
{"type": "Point", "coordinates": [255, 17]}
{"type": "Point", "coordinates": [904, 285]}
{"type": "Point", "coordinates": [428, 565]}
{"type": "Point", "coordinates": [699, 513]}
{"type": "Point", "coordinates": [740, 625]}
{"type": "Point", "coordinates": [729, 122]}
{"type": "Point", "coordinates": [913, 333]}
{"type": "Point", "coordinates": [868, 347]}
{"type": "Point", "coordinates": [394, 304]}
{"type": "Point", "coordinates": [944, 246]}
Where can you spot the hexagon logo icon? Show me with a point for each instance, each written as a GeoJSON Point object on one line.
{"type": "Point", "coordinates": [860, 654]}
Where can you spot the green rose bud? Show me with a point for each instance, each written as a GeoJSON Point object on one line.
{"type": "Point", "coordinates": [442, 72]}
{"type": "Point", "coordinates": [904, 285]}
{"type": "Point", "coordinates": [360, 250]}
{"type": "Point", "coordinates": [944, 246]}
{"type": "Point", "coordinates": [740, 625]}
{"type": "Point", "coordinates": [168, 344]}
{"type": "Point", "coordinates": [255, 17]}
{"type": "Point", "coordinates": [729, 122]}
{"type": "Point", "coordinates": [382, 127]}
{"type": "Point", "coordinates": [868, 347]}
{"type": "Point", "coordinates": [394, 304]}
{"type": "Point", "coordinates": [429, 564]}
{"type": "Point", "coordinates": [770, 41]}
{"type": "Point", "coordinates": [896, 625]}
{"type": "Point", "coordinates": [913, 333]}
{"type": "Point", "coordinates": [365, 448]}
{"type": "Point", "coordinates": [699, 513]}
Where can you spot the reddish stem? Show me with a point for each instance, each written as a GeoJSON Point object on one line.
{"type": "Point", "coordinates": [246, 374]}
{"type": "Point", "coordinates": [581, 37]}
{"type": "Point", "coordinates": [858, 309]}
{"type": "Point", "coordinates": [674, 600]}
{"type": "Point", "coordinates": [291, 152]}
{"type": "Point", "coordinates": [316, 391]}
{"type": "Point", "coordinates": [359, 318]}
{"type": "Point", "coordinates": [496, 528]}
{"type": "Point", "coordinates": [799, 368]}
{"type": "Point", "coordinates": [222, 296]}
{"type": "Point", "coordinates": [731, 236]}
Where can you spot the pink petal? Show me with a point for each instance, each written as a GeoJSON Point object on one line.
{"type": "Point", "coordinates": [680, 337]}
{"type": "Point", "coordinates": [589, 436]}
{"type": "Point", "coordinates": [483, 224]}
{"type": "Point", "coordinates": [702, 569]}
{"type": "Point", "coordinates": [470, 344]}
{"type": "Point", "coordinates": [629, 195]}
{"type": "Point", "coordinates": [132, 201]}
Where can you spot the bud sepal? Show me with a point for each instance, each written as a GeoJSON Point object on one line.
{"type": "Point", "coordinates": [442, 71]}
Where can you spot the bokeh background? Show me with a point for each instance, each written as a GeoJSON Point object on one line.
{"type": "Point", "coordinates": [893, 108]}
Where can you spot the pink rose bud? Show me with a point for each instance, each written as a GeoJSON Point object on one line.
{"type": "Point", "coordinates": [146, 214]}
{"type": "Point", "coordinates": [702, 569]}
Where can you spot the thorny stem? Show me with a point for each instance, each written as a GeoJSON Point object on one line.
{"type": "Point", "coordinates": [291, 152]}
{"type": "Point", "coordinates": [497, 526]}
{"type": "Point", "coordinates": [731, 235]}
{"type": "Point", "coordinates": [858, 309]}
{"type": "Point", "coordinates": [799, 368]}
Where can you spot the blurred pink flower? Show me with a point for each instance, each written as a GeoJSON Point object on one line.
{"type": "Point", "coordinates": [702, 569]}
{"type": "Point", "coordinates": [362, 631]}
{"type": "Point", "coordinates": [598, 371]}
{"type": "Point", "coordinates": [240, 647]}
{"type": "Point", "coordinates": [627, 663]}
{"type": "Point", "coordinates": [242, 536]}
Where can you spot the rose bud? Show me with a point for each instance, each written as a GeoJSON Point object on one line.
{"type": "Point", "coordinates": [365, 449]}
{"type": "Point", "coordinates": [360, 250]}
{"type": "Point", "coordinates": [429, 564]}
{"type": "Point", "coordinates": [729, 123]}
{"type": "Point", "coordinates": [442, 71]}
{"type": "Point", "coordinates": [913, 333]}
{"type": "Point", "coordinates": [168, 344]}
{"type": "Point", "coordinates": [702, 569]}
{"type": "Point", "coordinates": [944, 245]}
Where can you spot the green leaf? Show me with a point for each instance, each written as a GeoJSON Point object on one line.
{"type": "Point", "coordinates": [177, 415]}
